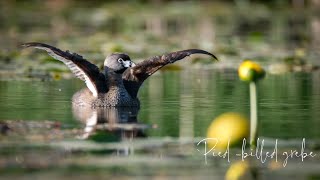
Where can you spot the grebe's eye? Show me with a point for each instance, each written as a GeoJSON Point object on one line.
{"type": "Point", "coordinates": [120, 60]}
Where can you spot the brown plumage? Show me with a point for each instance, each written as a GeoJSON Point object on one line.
{"type": "Point", "coordinates": [120, 83]}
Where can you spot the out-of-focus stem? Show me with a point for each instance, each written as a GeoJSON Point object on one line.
{"type": "Point", "coordinates": [253, 115]}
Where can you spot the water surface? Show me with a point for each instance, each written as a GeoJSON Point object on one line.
{"type": "Point", "coordinates": [183, 103]}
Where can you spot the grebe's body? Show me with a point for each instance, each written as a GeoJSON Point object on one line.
{"type": "Point", "coordinates": [119, 84]}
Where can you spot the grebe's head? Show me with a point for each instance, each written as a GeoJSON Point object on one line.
{"type": "Point", "coordinates": [118, 62]}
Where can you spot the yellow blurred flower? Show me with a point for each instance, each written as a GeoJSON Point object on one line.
{"type": "Point", "coordinates": [250, 71]}
{"type": "Point", "coordinates": [239, 170]}
{"type": "Point", "coordinates": [227, 128]}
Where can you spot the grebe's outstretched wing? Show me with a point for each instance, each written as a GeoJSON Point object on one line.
{"type": "Point", "coordinates": [133, 77]}
{"type": "Point", "coordinates": [81, 68]}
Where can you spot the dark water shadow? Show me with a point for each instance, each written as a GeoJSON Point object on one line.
{"type": "Point", "coordinates": [120, 123]}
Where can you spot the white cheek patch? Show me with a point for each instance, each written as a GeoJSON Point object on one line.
{"type": "Point", "coordinates": [128, 64]}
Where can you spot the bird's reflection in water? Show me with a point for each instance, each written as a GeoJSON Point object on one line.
{"type": "Point", "coordinates": [119, 121]}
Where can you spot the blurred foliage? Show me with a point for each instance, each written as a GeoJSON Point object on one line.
{"type": "Point", "coordinates": [233, 30]}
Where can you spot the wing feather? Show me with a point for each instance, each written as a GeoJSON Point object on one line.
{"type": "Point", "coordinates": [81, 68]}
{"type": "Point", "coordinates": [134, 77]}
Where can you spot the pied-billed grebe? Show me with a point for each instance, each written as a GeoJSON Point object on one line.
{"type": "Point", "coordinates": [121, 80]}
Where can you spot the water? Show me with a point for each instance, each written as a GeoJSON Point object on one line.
{"type": "Point", "coordinates": [176, 110]}
{"type": "Point", "coordinates": [183, 103]}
